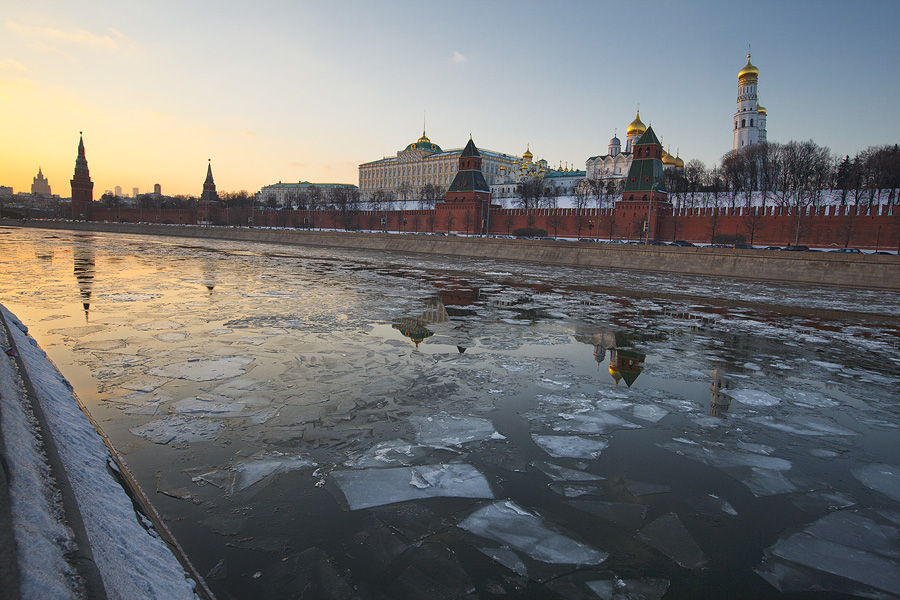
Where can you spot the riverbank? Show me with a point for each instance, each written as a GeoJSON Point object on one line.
{"type": "Point", "coordinates": [68, 521]}
{"type": "Point", "coordinates": [812, 268]}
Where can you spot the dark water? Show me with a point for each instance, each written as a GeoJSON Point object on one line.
{"type": "Point", "coordinates": [326, 423]}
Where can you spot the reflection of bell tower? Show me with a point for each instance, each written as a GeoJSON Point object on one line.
{"type": "Point", "coordinates": [208, 276]}
{"type": "Point", "coordinates": [83, 259]}
{"type": "Point", "coordinates": [720, 401]}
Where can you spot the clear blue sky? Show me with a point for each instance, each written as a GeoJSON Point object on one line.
{"type": "Point", "coordinates": [288, 90]}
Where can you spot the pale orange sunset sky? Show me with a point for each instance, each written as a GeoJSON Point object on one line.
{"type": "Point", "coordinates": [290, 91]}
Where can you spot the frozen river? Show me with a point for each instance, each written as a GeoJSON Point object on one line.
{"type": "Point", "coordinates": [336, 424]}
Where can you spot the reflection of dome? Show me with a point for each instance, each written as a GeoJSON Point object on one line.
{"type": "Point", "coordinates": [412, 329]}
{"type": "Point", "coordinates": [637, 127]}
{"type": "Point", "coordinates": [615, 374]}
{"type": "Point", "coordinates": [748, 72]}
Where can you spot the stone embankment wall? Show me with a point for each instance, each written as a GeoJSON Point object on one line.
{"type": "Point", "coordinates": [847, 270]}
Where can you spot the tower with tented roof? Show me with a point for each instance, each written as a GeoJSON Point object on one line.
{"type": "Point", "coordinates": [82, 186]}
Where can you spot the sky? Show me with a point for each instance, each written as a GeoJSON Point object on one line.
{"type": "Point", "coordinates": [306, 91]}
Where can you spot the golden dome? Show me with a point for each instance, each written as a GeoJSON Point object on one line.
{"type": "Point", "coordinates": [760, 109]}
{"type": "Point", "coordinates": [667, 159]}
{"type": "Point", "coordinates": [423, 139]}
{"type": "Point", "coordinates": [528, 155]}
{"type": "Point", "coordinates": [637, 127]}
{"type": "Point", "coordinates": [679, 163]}
{"type": "Point", "coordinates": [748, 72]}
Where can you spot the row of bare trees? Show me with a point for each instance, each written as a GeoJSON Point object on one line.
{"type": "Point", "coordinates": [793, 175]}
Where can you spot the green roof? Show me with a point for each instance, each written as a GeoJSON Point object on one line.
{"type": "Point", "coordinates": [648, 138]}
{"type": "Point", "coordinates": [644, 174]}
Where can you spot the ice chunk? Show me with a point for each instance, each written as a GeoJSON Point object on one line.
{"type": "Point", "coordinates": [396, 453]}
{"type": "Point", "coordinates": [573, 490]}
{"type": "Point", "coordinates": [881, 478]}
{"type": "Point", "coordinates": [768, 482]}
{"type": "Point", "coordinates": [597, 421]}
{"type": "Point", "coordinates": [668, 535]}
{"type": "Point", "coordinates": [754, 397]}
{"type": "Point", "coordinates": [452, 431]}
{"type": "Point", "coordinates": [570, 446]}
{"type": "Point", "coordinates": [629, 589]}
{"type": "Point", "coordinates": [649, 412]}
{"type": "Point", "coordinates": [822, 501]}
{"type": "Point", "coordinates": [558, 473]}
{"type": "Point", "coordinates": [177, 428]}
{"type": "Point", "coordinates": [144, 384]}
{"type": "Point", "coordinates": [804, 425]}
{"type": "Point", "coordinates": [204, 369]}
{"type": "Point", "coordinates": [376, 487]}
{"type": "Point", "coordinates": [507, 558]}
{"type": "Point", "coordinates": [208, 407]}
{"type": "Point", "coordinates": [174, 336]}
{"type": "Point", "coordinates": [823, 555]}
{"type": "Point", "coordinates": [507, 523]}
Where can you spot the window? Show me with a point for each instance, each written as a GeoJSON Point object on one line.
{"type": "Point", "coordinates": [743, 122]}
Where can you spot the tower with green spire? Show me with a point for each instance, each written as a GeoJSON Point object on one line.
{"type": "Point", "coordinates": [82, 186]}
{"type": "Point", "coordinates": [644, 198]}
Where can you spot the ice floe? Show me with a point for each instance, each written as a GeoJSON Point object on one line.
{"type": "Point", "coordinates": [376, 487]}
{"type": "Point", "coordinates": [204, 369]}
{"type": "Point", "coordinates": [881, 478]}
{"type": "Point", "coordinates": [506, 523]}
{"type": "Point", "coordinates": [668, 535]}
{"type": "Point", "coordinates": [754, 397]}
{"type": "Point", "coordinates": [570, 446]}
{"type": "Point", "coordinates": [450, 430]}
{"type": "Point", "coordinates": [178, 428]}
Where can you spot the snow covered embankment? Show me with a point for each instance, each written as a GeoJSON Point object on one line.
{"type": "Point", "coordinates": [132, 560]}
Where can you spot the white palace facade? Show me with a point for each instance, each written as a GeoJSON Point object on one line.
{"type": "Point", "coordinates": [421, 163]}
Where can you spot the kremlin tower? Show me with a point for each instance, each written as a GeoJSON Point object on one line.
{"type": "Point", "coordinates": [82, 186]}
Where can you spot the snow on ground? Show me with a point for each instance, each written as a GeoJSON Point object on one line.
{"type": "Point", "coordinates": [133, 561]}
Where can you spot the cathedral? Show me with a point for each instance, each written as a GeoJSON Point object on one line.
{"type": "Point", "coordinates": [750, 118]}
{"type": "Point", "coordinates": [615, 164]}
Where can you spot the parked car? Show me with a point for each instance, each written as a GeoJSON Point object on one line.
{"type": "Point", "coordinates": [847, 251]}
{"type": "Point", "coordinates": [883, 253]}
{"type": "Point", "coordinates": [772, 248]}
{"type": "Point", "coordinates": [796, 248]}
{"type": "Point", "coordinates": [682, 243]}
{"type": "Point", "coordinates": [744, 247]}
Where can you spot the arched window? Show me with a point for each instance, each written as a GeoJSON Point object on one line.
{"type": "Point", "coordinates": [743, 122]}
{"type": "Point", "coordinates": [751, 122]}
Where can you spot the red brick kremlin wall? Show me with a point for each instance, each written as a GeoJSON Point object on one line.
{"type": "Point", "coordinates": [826, 227]}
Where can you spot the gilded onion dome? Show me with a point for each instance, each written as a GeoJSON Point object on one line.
{"type": "Point", "coordinates": [679, 163]}
{"type": "Point", "coordinates": [667, 159]}
{"type": "Point", "coordinates": [760, 109]}
{"type": "Point", "coordinates": [528, 155]}
{"type": "Point", "coordinates": [748, 72]}
{"type": "Point", "coordinates": [637, 127]}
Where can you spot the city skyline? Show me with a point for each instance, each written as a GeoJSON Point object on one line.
{"type": "Point", "coordinates": [305, 92]}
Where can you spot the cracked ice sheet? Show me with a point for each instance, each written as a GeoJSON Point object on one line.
{"type": "Point", "coordinates": [507, 523]}
{"type": "Point", "coordinates": [570, 446]}
{"type": "Point", "coordinates": [376, 487]}
{"type": "Point", "coordinates": [204, 369]}
{"type": "Point", "coordinates": [253, 470]}
{"type": "Point", "coordinates": [176, 428]}
{"type": "Point", "coordinates": [627, 589]}
{"type": "Point", "coordinates": [453, 431]}
{"type": "Point", "coordinates": [881, 478]}
{"type": "Point", "coordinates": [668, 535]}
{"type": "Point", "coordinates": [843, 543]}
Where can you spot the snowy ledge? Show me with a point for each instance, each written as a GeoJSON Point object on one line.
{"type": "Point", "coordinates": [132, 559]}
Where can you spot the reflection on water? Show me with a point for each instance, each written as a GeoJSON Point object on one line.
{"type": "Point", "coordinates": [83, 264]}
{"type": "Point", "coordinates": [343, 425]}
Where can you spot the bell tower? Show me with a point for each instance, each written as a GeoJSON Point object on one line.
{"type": "Point", "coordinates": [750, 118]}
